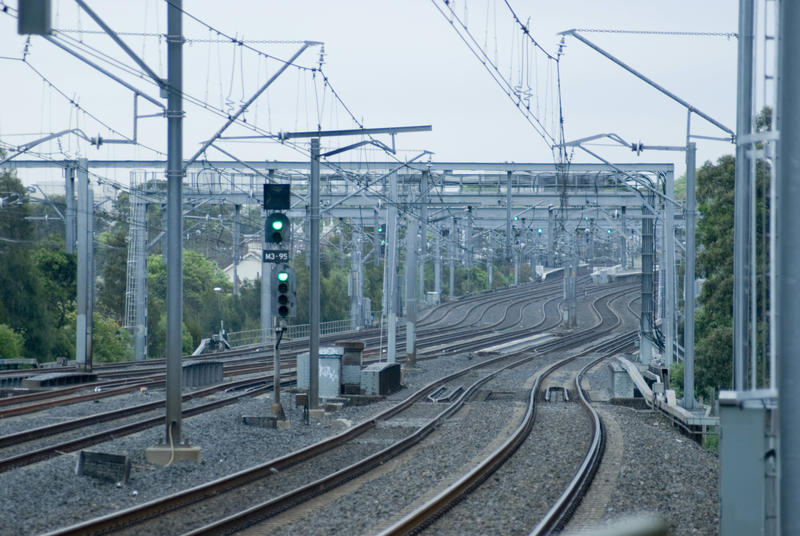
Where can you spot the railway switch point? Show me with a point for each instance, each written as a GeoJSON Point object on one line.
{"type": "Point", "coordinates": [166, 455]}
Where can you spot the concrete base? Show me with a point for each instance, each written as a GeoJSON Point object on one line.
{"type": "Point", "coordinates": [165, 455]}
{"type": "Point", "coordinates": [330, 407]}
{"type": "Point", "coordinates": [363, 400]}
{"type": "Point", "coordinates": [277, 411]}
{"type": "Point", "coordinates": [260, 421]}
{"type": "Point", "coordinates": [283, 424]}
{"type": "Point", "coordinates": [316, 413]}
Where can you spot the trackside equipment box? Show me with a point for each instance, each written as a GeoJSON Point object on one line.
{"type": "Point", "coordinates": [380, 379]}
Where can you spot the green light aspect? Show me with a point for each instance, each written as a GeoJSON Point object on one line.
{"type": "Point", "coordinates": [277, 225]}
{"type": "Point", "coordinates": [283, 276]}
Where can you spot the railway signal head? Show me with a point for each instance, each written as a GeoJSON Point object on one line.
{"type": "Point", "coordinates": [539, 230]}
{"type": "Point", "coordinates": [277, 228]}
{"type": "Point", "coordinates": [285, 292]}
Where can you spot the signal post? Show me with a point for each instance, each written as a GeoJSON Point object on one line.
{"type": "Point", "coordinates": [281, 280]}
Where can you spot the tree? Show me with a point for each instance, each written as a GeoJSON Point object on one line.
{"type": "Point", "coordinates": [58, 270]}
{"type": "Point", "coordinates": [714, 318]}
{"type": "Point", "coordinates": [11, 343]}
{"type": "Point", "coordinates": [22, 294]}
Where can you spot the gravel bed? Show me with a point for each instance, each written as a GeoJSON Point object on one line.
{"type": "Point", "coordinates": [366, 508]}
{"type": "Point", "coordinates": [517, 495]}
{"type": "Point", "coordinates": [664, 473]}
{"type": "Point", "coordinates": [48, 495]}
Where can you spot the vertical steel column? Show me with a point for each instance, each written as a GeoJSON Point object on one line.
{"type": "Point", "coordinates": [411, 291]}
{"type": "Point", "coordinates": [452, 250]}
{"type": "Point", "coordinates": [423, 246]}
{"type": "Point", "coordinates": [314, 309]}
{"type": "Point", "coordinates": [688, 320]}
{"type": "Point", "coordinates": [788, 259]}
{"type": "Point", "coordinates": [174, 218]}
{"type": "Point", "coordinates": [376, 240]}
{"type": "Point", "coordinates": [490, 262]}
{"type": "Point", "coordinates": [140, 277]}
{"type": "Point", "coordinates": [669, 273]}
{"type": "Point", "coordinates": [646, 318]}
{"type": "Point", "coordinates": [437, 263]}
{"type": "Point", "coordinates": [468, 240]}
{"type": "Point", "coordinates": [509, 177]}
{"type": "Point", "coordinates": [81, 327]}
{"type": "Point", "coordinates": [391, 272]}
{"type": "Point", "coordinates": [237, 210]}
{"type": "Point", "coordinates": [69, 214]}
{"type": "Point", "coordinates": [623, 245]}
{"type": "Point", "coordinates": [741, 227]}
{"type": "Point", "coordinates": [355, 266]}
{"type": "Point", "coordinates": [90, 287]}
{"type": "Point", "coordinates": [551, 237]}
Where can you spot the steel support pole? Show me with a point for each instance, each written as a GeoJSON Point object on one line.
{"type": "Point", "coordinates": [490, 262]}
{"type": "Point", "coordinates": [277, 408]}
{"type": "Point", "coordinates": [69, 213]}
{"type": "Point", "coordinates": [140, 278]}
{"type": "Point", "coordinates": [376, 240]}
{"type": "Point", "coordinates": [515, 255]}
{"type": "Point", "coordinates": [788, 259]}
{"type": "Point", "coordinates": [452, 250]}
{"type": "Point", "coordinates": [314, 309]}
{"type": "Point", "coordinates": [669, 272]}
{"type": "Point", "coordinates": [646, 318]}
{"type": "Point", "coordinates": [688, 320]}
{"type": "Point", "coordinates": [391, 272]}
{"type": "Point", "coordinates": [355, 276]}
{"type": "Point", "coordinates": [437, 263]}
{"type": "Point", "coordinates": [82, 320]}
{"type": "Point", "coordinates": [423, 245]}
{"type": "Point", "coordinates": [551, 237]}
{"type": "Point", "coordinates": [236, 213]}
{"type": "Point", "coordinates": [174, 219]}
{"type": "Point", "coordinates": [509, 177]}
{"type": "Point", "coordinates": [741, 224]}
{"type": "Point", "coordinates": [623, 245]}
{"type": "Point", "coordinates": [90, 286]}
{"type": "Point", "coordinates": [411, 292]}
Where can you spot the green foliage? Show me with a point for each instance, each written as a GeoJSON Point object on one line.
{"type": "Point", "coordinates": [11, 343]}
{"type": "Point", "coordinates": [714, 319]}
{"type": "Point", "coordinates": [112, 266]}
{"type": "Point", "coordinates": [110, 342]}
{"type": "Point", "coordinates": [23, 298]}
{"type": "Point", "coordinates": [676, 378]}
{"type": "Point", "coordinates": [58, 271]}
{"type": "Point", "coordinates": [202, 306]}
{"type": "Point", "coordinates": [711, 442]}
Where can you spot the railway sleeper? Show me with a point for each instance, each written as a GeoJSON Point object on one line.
{"type": "Point", "coordinates": [446, 394]}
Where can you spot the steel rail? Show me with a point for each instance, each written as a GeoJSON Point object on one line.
{"type": "Point", "coordinates": [145, 511]}
{"type": "Point", "coordinates": [443, 501]}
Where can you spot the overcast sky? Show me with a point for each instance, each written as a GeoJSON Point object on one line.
{"type": "Point", "coordinates": [393, 64]}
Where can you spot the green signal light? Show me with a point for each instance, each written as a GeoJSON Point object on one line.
{"type": "Point", "coordinates": [283, 276]}
{"type": "Point", "coordinates": [277, 225]}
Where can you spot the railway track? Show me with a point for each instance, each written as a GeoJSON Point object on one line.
{"type": "Point", "coordinates": [280, 466]}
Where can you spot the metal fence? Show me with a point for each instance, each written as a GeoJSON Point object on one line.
{"type": "Point", "coordinates": [300, 331]}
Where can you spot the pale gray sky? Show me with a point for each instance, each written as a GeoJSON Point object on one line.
{"type": "Point", "coordinates": [393, 64]}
